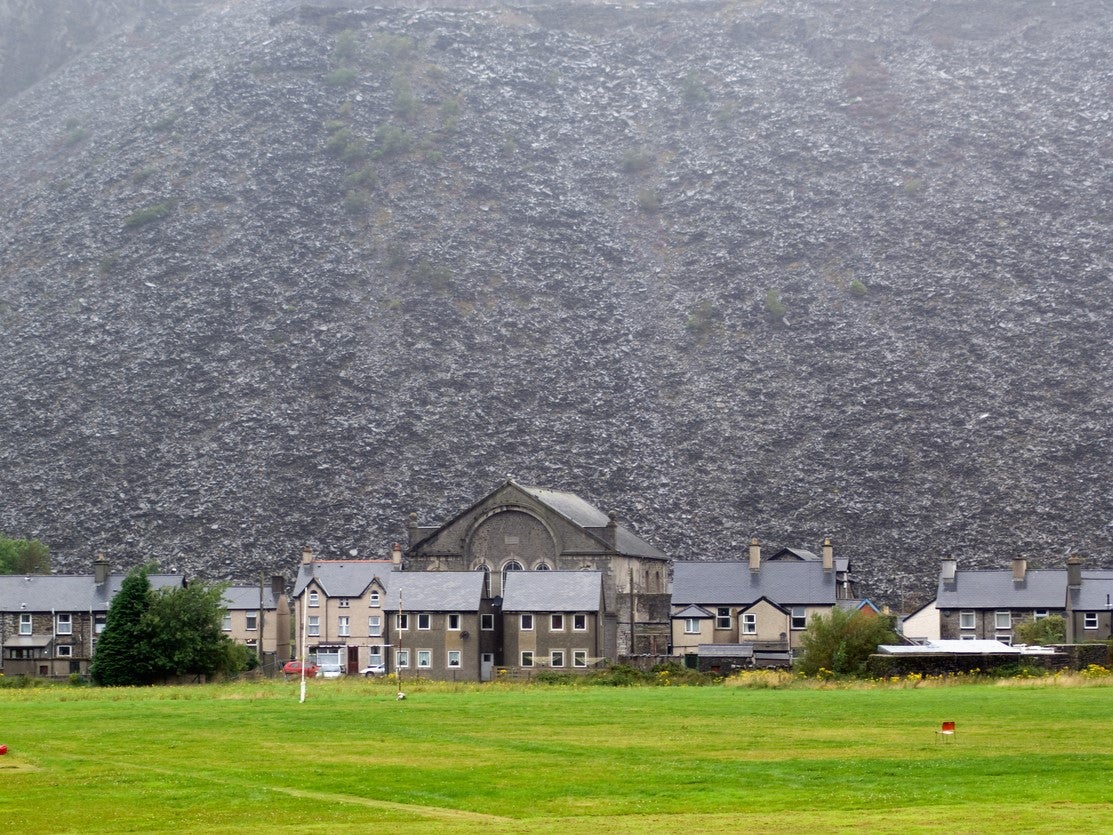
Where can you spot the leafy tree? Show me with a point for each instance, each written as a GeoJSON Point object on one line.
{"type": "Point", "coordinates": [23, 556]}
{"type": "Point", "coordinates": [120, 658]}
{"type": "Point", "coordinates": [1049, 630]}
{"type": "Point", "coordinates": [183, 635]}
{"type": "Point", "coordinates": [843, 641]}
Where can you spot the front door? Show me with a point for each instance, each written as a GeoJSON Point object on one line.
{"type": "Point", "coordinates": [353, 660]}
{"type": "Point", "coordinates": [486, 666]}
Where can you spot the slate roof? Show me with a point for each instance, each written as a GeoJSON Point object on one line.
{"type": "Point", "coordinates": [552, 591]}
{"type": "Point", "coordinates": [1095, 593]}
{"type": "Point", "coordinates": [996, 589]}
{"type": "Point", "coordinates": [726, 650]}
{"type": "Point", "coordinates": [247, 597]}
{"type": "Point", "coordinates": [788, 583]}
{"type": "Point", "coordinates": [694, 612]}
{"type": "Point", "coordinates": [67, 592]}
{"type": "Point", "coordinates": [422, 591]}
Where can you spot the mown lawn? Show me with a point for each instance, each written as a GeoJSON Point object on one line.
{"type": "Point", "coordinates": [231, 758]}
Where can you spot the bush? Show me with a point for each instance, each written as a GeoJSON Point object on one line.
{"type": "Point", "coordinates": [341, 77]}
{"type": "Point", "coordinates": [774, 307]}
{"type": "Point", "coordinates": [857, 288]}
{"type": "Point", "coordinates": [147, 215]}
{"type": "Point", "coordinates": [1043, 632]}
{"type": "Point", "coordinates": [842, 641]}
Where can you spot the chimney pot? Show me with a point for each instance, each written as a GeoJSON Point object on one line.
{"type": "Point", "coordinates": [306, 555]}
{"type": "Point", "coordinates": [755, 555]}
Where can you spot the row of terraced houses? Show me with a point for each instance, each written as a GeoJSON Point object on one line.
{"type": "Point", "coordinates": [530, 579]}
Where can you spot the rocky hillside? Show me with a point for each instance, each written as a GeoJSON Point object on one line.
{"type": "Point", "coordinates": [273, 274]}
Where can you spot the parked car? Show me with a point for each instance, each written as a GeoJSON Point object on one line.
{"type": "Point", "coordinates": [293, 668]}
{"type": "Point", "coordinates": [330, 670]}
{"type": "Point", "coordinates": [373, 670]}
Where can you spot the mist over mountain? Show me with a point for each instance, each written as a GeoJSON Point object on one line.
{"type": "Point", "coordinates": [275, 274]}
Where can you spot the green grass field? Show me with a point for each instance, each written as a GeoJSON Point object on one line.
{"type": "Point", "coordinates": [505, 758]}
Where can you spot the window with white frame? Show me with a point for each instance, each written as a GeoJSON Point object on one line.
{"type": "Point", "coordinates": [375, 626]}
{"type": "Point", "coordinates": [749, 624]}
{"type": "Point", "coordinates": [1090, 620]}
{"type": "Point", "coordinates": [454, 658]}
{"type": "Point", "coordinates": [966, 620]}
{"type": "Point", "coordinates": [424, 658]}
{"type": "Point", "coordinates": [373, 600]}
{"type": "Point", "coordinates": [253, 643]}
{"type": "Point", "coordinates": [527, 658]}
{"type": "Point", "coordinates": [454, 622]}
{"type": "Point", "coordinates": [722, 618]}
{"type": "Point", "coordinates": [799, 617]}
{"type": "Point", "coordinates": [314, 599]}
{"type": "Point", "coordinates": [314, 626]}
{"type": "Point", "coordinates": [527, 623]}
{"type": "Point", "coordinates": [252, 619]}
{"type": "Point", "coordinates": [402, 658]}
{"type": "Point", "coordinates": [424, 621]}
{"type": "Point", "coordinates": [63, 624]}
{"type": "Point", "coordinates": [556, 623]}
{"type": "Point", "coordinates": [579, 622]}
{"type": "Point", "coordinates": [691, 626]}
{"type": "Point", "coordinates": [487, 622]}
{"type": "Point", "coordinates": [376, 656]}
{"type": "Point", "coordinates": [967, 637]}
{"type": "Point", "coordinates": [99, 622]}
{"type": "Point", "coordinates": [25, 623]}
{"type": "Point", "coordinates": [1039, 614]}
{"type": "Point", "coordinates": [64, 651]}
{"type": "Point", "coordinates": [403, 621]}
{"type": "Point", "coordinates": [1003, 620]}
{"type": "Point", "coordinates": [556, 658]}
{"type": "Point", "coordinates": [579, 658]}
{"type": "Point", "coordinates": [343, 626]}
{"type": "Point", "coordinates": [226, 622]}
{"type": "Point", "coordinates": [344, 603]}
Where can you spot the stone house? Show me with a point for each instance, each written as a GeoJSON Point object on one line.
{"type": "Point", "coordinates": [762, 607]}
{"type": "Point", "coordinates": [1089, 603]}
{"type": "Point", "coordinates": [519, 528]}
{"type": "Point", "coordinates": [555, 620]}
{"type": "Point", "coordinates": [259, 618]}
{"type": "Point", "coordinates": [990, 604]}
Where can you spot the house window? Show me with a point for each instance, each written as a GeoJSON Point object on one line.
{"type": "Point", "coordinates": [749, 624]}
{"type": "Point", "coordinates": [579, 623]}
{"type": "Point", "coordinates": [373, 600]}
{"type": "Point", "coordinates": [454, 658]}
{"type": "Point", "coordinates": [579, 658]}
{"type": "Point", "coordinates": [1003, 620]}
{"type": "Point", "coordinates": [226, 622]}
{"type": "Point", "coordinates": [1090, 620]}
{"type": "Point", "coordinates": [487, 622]}
{"type": "Point", "coordinates": [314, 626]}
{"type": "Point", "coordinates": [1005, 638]}
{"type": "Point", "coordinates": [376, 656]}
{"type": "Point", "coordinates": [65, 651]}
{"type": "Point", "coordinates": [424, 658]}
{"type": "Point", "coordinates": [1039, 614]}
{"type": "Point", "coordinates": [966, 620]}
{"type": "Point", "coordinates": [63, 625]}
{"type": "Point", "coordinates": [556, 623]}
{"type": "Point", "coordinates": [799, 617]}
{"type": "Point", "coordinates": [402, 658]}
{"type": "Point", "coordinates": [454, 622]}
{"type": "Point", "coordinates": [343, 626]}
{"type": "Point", "coordinates": [722, 618]}
{"type": "Point", "coordinates": [25, 623]}
{"type": "Point", "coordinates": [556, 658]}
{"type": "Point", "coordinates": [424, 621]}
{"type": "Point", "coordinates": [375, 626]}
{"type": "Point", "coordinates": [513, 565]}
{"type": "Point", "coordinates": [542, 566]}
{"type": "Point", "coordinates": [403, 621]}
{"type": "Point", "coordinates": [691, 626]}
{"type": "Point", "coordinates": [314, 599]}
{"type": "Point", "coordinates": [344, 603]}
{"type": "Point", "coordinates": [99, 622]}
{"type": "Point", "coordinates": [252, 621]}
{"type": "Point", "coordinates": [527, 623]}
{"type": "Point", "coordinates": [527, 658]}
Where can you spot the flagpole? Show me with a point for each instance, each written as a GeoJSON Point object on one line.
{"type": "Point", "coordinates": [301, 651]}
{"type": "Point", "coordinates": [398, 667]}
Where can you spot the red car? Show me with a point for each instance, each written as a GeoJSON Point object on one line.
{"type": "Point", "coordinates": [293, 668]}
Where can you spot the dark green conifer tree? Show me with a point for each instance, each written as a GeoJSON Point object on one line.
{"type": "Point", "coordinates": [120, 658]}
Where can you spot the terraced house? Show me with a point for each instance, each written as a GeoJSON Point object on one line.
{"type": "Point", "coordinates": [990, 604]}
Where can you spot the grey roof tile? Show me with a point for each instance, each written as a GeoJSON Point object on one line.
{"type": "Point", "coordinates": [996, 589]}
{"type": "Point", "coordinates": [1096, 591]}
{"type": "Point", "coordinates": [787, 583]}
{"type": "Point", "coordinates": [552, 591]}
{"type": "Point", "coordinates": [67, 592]}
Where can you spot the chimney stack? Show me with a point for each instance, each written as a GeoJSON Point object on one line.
{"type": "Point", "coordinates": [396, 555]}
{"type": "Point", "coordinates": [1074, 571]}
{"type": "Point", "coordinates": [755, 555]}
{"type": "Point", "coordinates": [278, 585]}
{"type": "Point", "coordinates": [948, 567]}
{"type": "Point", "coordinates": [100, 569]}
{"type": "Point", "coordinates": [1020, 569]}
{"type": "Point", "coordinates": [306, 555]}
{"type": "Point", "coordinates": [612, 528]}
{"type": "Point", "coordinates": [411, 528]}
{"type": "Point", "coordinates": [828, 555]}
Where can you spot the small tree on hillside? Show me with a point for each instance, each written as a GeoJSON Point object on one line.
{"type": "Point", "coordinates": [23, 556]}
{"type": "Point", "coordinates": [1049, 630]}
{"type": "Point", "coordinates": [843, 641]}
{"type": "Point", "coordinates": [120, 659]}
